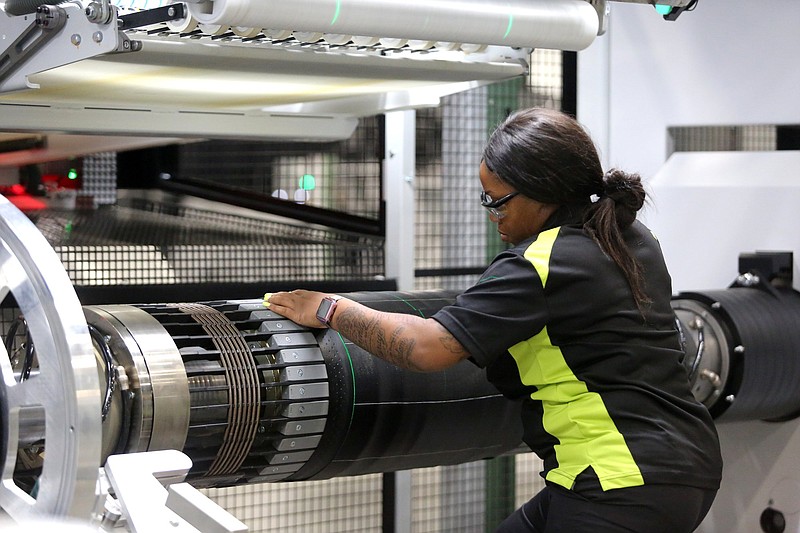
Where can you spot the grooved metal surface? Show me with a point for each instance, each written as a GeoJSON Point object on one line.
{"type": "Point", "coordinates": [243, 386]}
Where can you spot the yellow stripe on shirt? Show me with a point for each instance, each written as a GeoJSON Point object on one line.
{"type": "Point", "coordinates": [572, 414]}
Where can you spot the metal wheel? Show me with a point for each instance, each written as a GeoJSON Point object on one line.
{"type": "Point", "coordinates": [62, 394]}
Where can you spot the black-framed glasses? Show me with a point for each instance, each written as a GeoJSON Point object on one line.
{"type": "Point", "coordinates": [493, 206]}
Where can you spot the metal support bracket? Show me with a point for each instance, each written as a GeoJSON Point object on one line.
{"type": "Point", "coordinates": [40, 29]}
{"type": "Point", "coordinates": [52, 37]}
{"type": "Point", "coordinates": [138, 481]}
{"type": "Point", "coordinates": [153, 16]}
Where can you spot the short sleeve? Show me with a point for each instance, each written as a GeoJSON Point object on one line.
{"type": "Point", "coordinates": [505, 307]}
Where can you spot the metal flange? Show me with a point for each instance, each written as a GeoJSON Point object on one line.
{"type": "Point", "coordinates": [64, 388]}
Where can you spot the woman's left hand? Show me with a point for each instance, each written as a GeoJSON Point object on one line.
{"type": "Point", "coordinates": [299, 306]}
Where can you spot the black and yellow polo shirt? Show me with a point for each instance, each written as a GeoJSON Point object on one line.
{"type": "Point", "coordinates": [554, 323]}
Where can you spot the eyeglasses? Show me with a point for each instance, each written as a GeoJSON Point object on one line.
{"type": "Point", "coordinates": [493, 206]}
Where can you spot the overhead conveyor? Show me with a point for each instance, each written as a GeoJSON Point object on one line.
{"type": "Point", "coordinates": [305, 69]}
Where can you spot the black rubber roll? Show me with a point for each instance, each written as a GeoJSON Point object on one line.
{"type": "Point", "coordinates": [764, 326]}
{"type": "Point", "coordinates": [384, 419]}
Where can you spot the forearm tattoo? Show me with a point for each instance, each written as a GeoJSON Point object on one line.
{"type": "Point", "coordinates": [450, 343]}
{"type": "Point", "coordinates": [388, 338]}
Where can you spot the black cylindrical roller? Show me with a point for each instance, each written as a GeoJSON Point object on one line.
{"type": "Point", "coordinates": [385, 419]}
{"type": "Point", "coordinates": [763, 341]}
{"type": "Point", "coordinates": [318, 406]}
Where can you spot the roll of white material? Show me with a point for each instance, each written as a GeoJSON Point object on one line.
{"type": "Point", "coordinates": [365, 40]}
{"type": "Point", "coordinates": [558, 24]}
{"type": "Point", "coordinates": [447, 46]}
{"type": "Point", "coordinates": [247, 33]}
{"type": "Point", "coordinates": [278, 35]}
{"type": "Point", "coordinates": [389, 42]}
{"type": "Point", "coordinates": [184, 25]}
{"type": "Point", "coordinates": [337, 38]}
{"type": "Point", "coordinates": [307, 36]}
{"type": "Point", "coordinates": [213, 29]}
{"type": "Point", "coordinates": [421, 45]}
{"type": "Point", "coordinates": [469, 48]}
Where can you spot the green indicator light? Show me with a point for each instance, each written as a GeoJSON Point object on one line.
{"type": "Point", "coordinates": [510, 24]}
{"type": "Point", "coordinates": [662, 9]}
{"type": "Point", "coordinates": [308, 182]}
{"type": "Point", "coordinates": [72, 174]}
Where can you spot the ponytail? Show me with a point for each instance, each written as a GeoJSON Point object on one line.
{"type": "Point", "coordinates": [615, 210]}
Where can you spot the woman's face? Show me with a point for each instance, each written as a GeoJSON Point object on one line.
{"type": "Point", "coordinates": [522, 217]}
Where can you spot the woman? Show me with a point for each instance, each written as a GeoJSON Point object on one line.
{"type": "Point", "coordinates": [575, 321]}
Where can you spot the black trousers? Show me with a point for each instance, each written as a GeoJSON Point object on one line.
{"type": "Point", "coordinates": [645, 509]}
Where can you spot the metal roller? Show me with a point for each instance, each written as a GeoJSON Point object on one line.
{"type": "Point", "coordinates": [55, 393]}
{"type": "Point", "coordinates": [254, 397]}
{"type": "Point", "coordinates": [251, 397]}
{"type": "Point", "coordinates": [742, 349]}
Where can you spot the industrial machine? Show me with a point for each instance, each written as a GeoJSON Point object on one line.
{"type": "Point", "coordinates": [98, 399]}
{"type": "Point", "coordinates": [227, 392]}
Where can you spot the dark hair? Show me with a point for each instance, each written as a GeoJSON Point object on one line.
{"type": "Point", "coordinates": [546, 155]}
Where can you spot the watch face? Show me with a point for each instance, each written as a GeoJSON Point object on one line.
{"type": "Point", "coordinates": [324, 310]}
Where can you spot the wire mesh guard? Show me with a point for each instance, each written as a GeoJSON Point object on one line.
{"type": "Point", "coordinates": [454, 238]}
{"type": "Point", "coordinates": [146, 242]}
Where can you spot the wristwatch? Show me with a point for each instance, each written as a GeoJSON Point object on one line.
{"type": "Point", "coordinates": [326, 309]}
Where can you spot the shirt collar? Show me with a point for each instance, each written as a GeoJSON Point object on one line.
{"type": "Point", "coordinates": [565, 215]}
